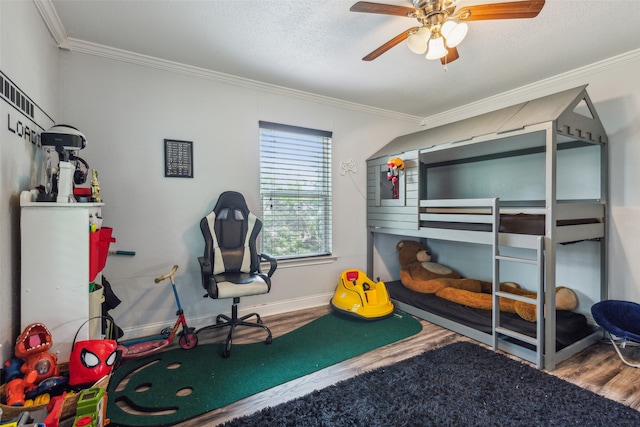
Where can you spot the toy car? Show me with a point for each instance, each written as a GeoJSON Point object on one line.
{"type": "Point", "coordinates": [359, 296]}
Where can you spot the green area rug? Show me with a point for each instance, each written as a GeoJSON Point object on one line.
{"type": "Point", "coordinates": [176, 385]}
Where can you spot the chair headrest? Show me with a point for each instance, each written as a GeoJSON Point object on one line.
{"type": "Point", "coordinates": [232, 200]}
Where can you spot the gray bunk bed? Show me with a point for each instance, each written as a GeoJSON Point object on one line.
{"type": "Point", "coordinates": [531, 177]}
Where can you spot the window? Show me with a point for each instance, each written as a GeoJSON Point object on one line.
{"type": "Point", "coordinates": [295, 190]}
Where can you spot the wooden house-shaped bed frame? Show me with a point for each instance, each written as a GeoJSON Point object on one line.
{"type": "Point", "coordinates": [542, 128]}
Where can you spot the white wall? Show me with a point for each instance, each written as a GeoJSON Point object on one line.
{"type": "Point", "coordinates": [614, 90]}
{"type": "Point", "coordinates": [127, 110]}
{"type": "Point", "coordinates": [617, 96]}
{"type": "Point", "coordinates": [29, 58]}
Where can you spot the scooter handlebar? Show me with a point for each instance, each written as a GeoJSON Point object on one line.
{"type": "Point", "coordinates": [166, 276]}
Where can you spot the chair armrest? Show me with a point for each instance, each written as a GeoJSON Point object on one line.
{"type": "Point", "coordinates": [206, 268]}
{"type": "Point", "coordinates": [272, 262]}
{"type": "Point", "coordinates": [208, 281]}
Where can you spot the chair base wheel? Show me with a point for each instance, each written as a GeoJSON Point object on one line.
{"type": "Point", "coordinates": [224, 321]}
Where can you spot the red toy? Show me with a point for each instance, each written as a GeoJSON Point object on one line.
{"type": "Point", "coordinates": [148, 345]}
{"type": "Point", "coordinates": [91, 360]}
{"type": "Point", "coordinates": [54, 409]}
{"type": "Point", "coordinates": [395, 165]}
{"type": "Point", "coordinates": [32, 346]}
{"type": "Point", "coordinates": [17, 387]}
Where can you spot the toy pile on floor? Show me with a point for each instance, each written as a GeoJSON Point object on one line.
{"type": "Point", "coordinates": [36, 390]}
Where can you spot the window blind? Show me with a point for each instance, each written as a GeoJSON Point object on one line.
{"type": "Point", "coordinates": [295, 190]}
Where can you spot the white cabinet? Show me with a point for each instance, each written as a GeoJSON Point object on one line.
{"type": "Point", "coordinates": [55, 268]}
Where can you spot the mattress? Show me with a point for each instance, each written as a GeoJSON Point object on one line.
{"type": "Point", "coordinates": [510, 223]}
{"type": "Point", "coordinates": [570, 326]}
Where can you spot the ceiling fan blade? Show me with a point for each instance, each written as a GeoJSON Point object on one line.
{"type": "Point", "coordinates": [510, 10]}
{"type": "Point", "coordinates": [388, 45]}
{"type": "Point", "coordinates": [452, 55]}
{"type": "Point", "coordinates": [385, 9]}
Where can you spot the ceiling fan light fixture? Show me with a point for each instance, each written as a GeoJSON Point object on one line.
{"type": "Point", "coordinates": [444, 21]}
{"type": "Point", "coordinates": [436, 48]}
{"type": "Point", "coordinates": [454, 32]}
{"type": "Point", "coordinates": [417, 42]}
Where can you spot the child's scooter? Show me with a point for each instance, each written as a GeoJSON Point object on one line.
{"type": "Point", "coordinates": [145, 346]}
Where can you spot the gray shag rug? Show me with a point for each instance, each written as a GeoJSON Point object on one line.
{"type": "Point", "coordinates": [461, 384]}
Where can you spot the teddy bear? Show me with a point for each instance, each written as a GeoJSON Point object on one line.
{"type": "Point", "coordinates": [419, 274]}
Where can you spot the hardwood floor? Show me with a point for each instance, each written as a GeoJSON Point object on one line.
{"type": "Point", "coordinates": [597, 368]}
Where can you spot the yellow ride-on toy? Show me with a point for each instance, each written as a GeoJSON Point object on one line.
{"type": "Point", "coordinates": [359, 296]}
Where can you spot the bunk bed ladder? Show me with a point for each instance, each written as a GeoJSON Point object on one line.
{"type": "Point", "coordinates": [499, 330]}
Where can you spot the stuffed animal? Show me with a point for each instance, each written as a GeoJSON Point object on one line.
{"type": "Point", "coordinates": [394, 165]}
{"type": "Point", "coordinates": [419, 274]}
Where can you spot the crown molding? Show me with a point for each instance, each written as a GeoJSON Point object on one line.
{"type": "Point", "coordinates": [90, 48]}
{"type": "Point", "coordinates": [567, 80]}
{"type": "Point", "coordinates": [52, 21]}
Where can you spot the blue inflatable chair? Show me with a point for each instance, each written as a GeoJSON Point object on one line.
{"type": "Point", "coordinates": [621, 322]}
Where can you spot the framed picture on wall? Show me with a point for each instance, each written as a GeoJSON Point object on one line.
{"type": "Point", "coordinates": [178, 158]}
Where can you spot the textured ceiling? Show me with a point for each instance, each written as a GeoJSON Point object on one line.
{"type": "Point", "coordinates": [316, 46]}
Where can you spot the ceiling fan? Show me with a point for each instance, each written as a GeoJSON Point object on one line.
{"type": "Point", "coordinates": [442, 27]}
